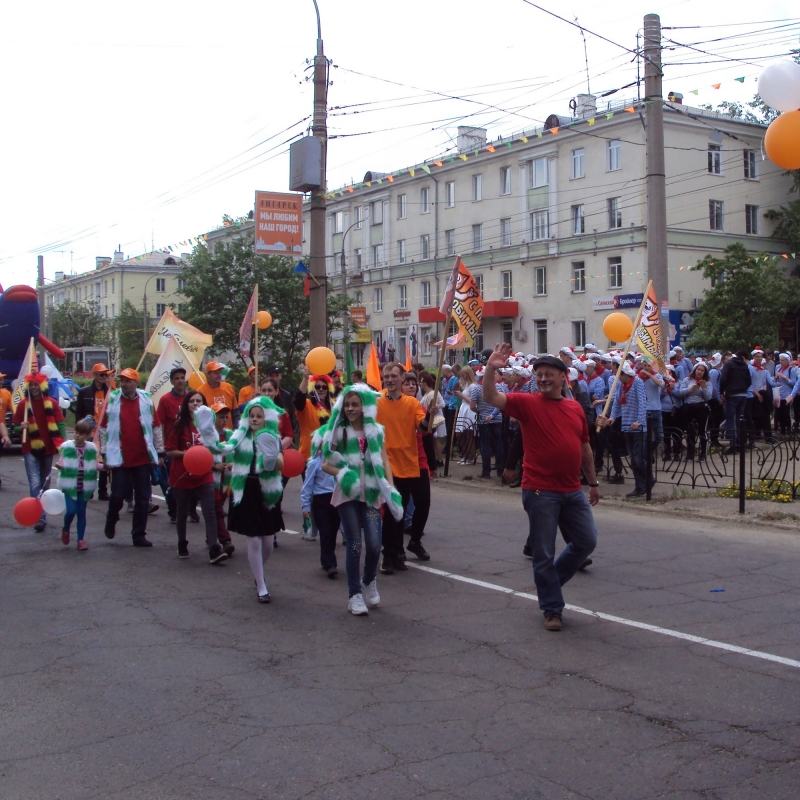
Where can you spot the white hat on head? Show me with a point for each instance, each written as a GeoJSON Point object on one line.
{"type": "Point", "coordinates": [446, 366]}
{"type": "Point", "coordinates": [589, 347]}
{"type": "Point", "coordinates": [627, 369]}
{"type": "Point", "coordinates": [590, 362]}
{"type": "Point", "coordinates": [617, 359]}
{"type": "Point", "coordinates": [579, 365]}
{"type": "Point", "coordinates": [671, 354]}
{"type": "Point", "coordinates": [572, 373]}
{"type": "Point", "coordinates": [523, 372]}
{"type": "Point", "coordinates": [787, 356]}
{"type": "Point", "coordinates": [678, 348]}
{"type": "Point", "coordinates": [670, 367]}
{"type": "Point", "coordinates": [567, 351]}
{"type": "Point", "coordinates": [716, 359]}
{"type": "Point", "coordinates": [756, 351]}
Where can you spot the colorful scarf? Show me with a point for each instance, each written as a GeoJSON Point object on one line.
{"type": "Point", "coordinates": [68, 476]}
{"type": "Point", "coordinates": [34, 436]}
{"type": "Point", "coordinates": [113, 447]}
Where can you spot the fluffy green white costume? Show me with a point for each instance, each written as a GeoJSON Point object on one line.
{"type": "Point", "coordinates": [241, 445]}
{"type": "Point", "coordinates": [68, 477]}
{"type": "Point", "coordinates": [342, 450]}
{"type": "Point", "coordinates": [113, 450]}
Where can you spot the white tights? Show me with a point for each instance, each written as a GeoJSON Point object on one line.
{"type": "Point", "coordinates": [259, 549]}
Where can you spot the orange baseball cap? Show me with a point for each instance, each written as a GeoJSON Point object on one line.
{"type": "Point", "coordinates": [213, 365]}
{"type": "Point", "coordinates": [129, 373]}
{"type": "Point", "coordinates": [100, 368]}
{"type": "Point", "coordinates": [217, 407]}
{"type": "Point", "coordinates": [250, 369]}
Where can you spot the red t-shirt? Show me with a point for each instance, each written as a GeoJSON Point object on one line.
{"type": "Point", "coordinates": [131, 438]}
{"type": "Point", "coordinates": [169, 407]}
{"type": "Point", "coordinates": [553, 432]}
{"type": "Point", "coordinates": [182, 440]}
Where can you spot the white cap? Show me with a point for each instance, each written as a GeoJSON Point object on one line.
{"type": "Point", "coordinates": [589, 347]}
{"type": "Point", "coordinates": [617, 359]}
{"type": "Point", "coordinates": [678, 348]}
{"type": "Point", "coordinates": [627, 369]}
{"type": "Point", "coordinates": [572, 373]}
{"type": "Point", "coordinates": [757, 351]}
{"type": "Point", "coordinates": [579, 365]}
{"type": "Point", "coordinates": [670, 367]}
{"type": "Point", "coordinates": [567, 351]}
{"type": "Point", "coordinates": [716, 359]}
{"type": "Point", "coordinates": [590, 362]}
{"type": "Point", "coordinates": [523, 372]}
{"type": "Point", "coordinates": [787, 356]}
{"type": "Point", "coordinates": [446, 366]}
{"type": "Point", "coordinates": [671, 354]}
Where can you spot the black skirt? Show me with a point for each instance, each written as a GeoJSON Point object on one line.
{"type": "Point", "coordinates": [251, 517]}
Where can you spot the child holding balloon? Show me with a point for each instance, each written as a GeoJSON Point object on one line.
{"type": "Point", "coordinates": [77, 479]}
{"type": "Point", "coordinates": [190, 477]}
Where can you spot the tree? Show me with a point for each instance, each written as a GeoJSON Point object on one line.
{"type": "Point", "coordinates": [129, 334]}
{"type": "Point", "coordinates": [749, 297]}
{"type": "Point", "coordinates": [75, 324]}
{"type": "Point", "coordinates": [787, 218]}
{"type": "Point", "coordinates": [218, 287]}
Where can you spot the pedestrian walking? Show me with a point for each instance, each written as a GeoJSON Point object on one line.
{"type": "Point", "coordinates": [77, 479]}
{"type": "Point", "coordinates": [315, 503]}
{"type": "Point", "coordinates": [89, 403]}
{"type": "Point", "coordinates": [222, 476]}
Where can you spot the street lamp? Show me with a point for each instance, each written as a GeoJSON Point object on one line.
{"type": "Point", "coordinates": [346, 320]}
{"type": "Point", "coordinates": [144, 307]}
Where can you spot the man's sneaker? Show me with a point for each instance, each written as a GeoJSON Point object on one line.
{"type": "Point", "coordinates": [130, 508]}
{"type": "Point", "coordinates": [400, 564]}
{"type": "Point", "coordinates": [387, 566]}
{"type": "Point", "coordinates": [332, 572]}
{"type": "Point", "coordinates": [552, 622]}
{"type": "Point", "coordinates": [153, 508]}
{"type": "Point", "coordinates": [39, 526]}
{"type": "Point", "coordinates": [526, 551]}
{"type": "Point", "coordinates": [216, 554]}
{"type": "Point", "coordinates": [419, 551]}
{"type": "Point", "coordinates": [192, 517]}
{"type": "Point", "coordinates": [636, 493]}
{"type": "Point", "coordinates": [142, 542]}
{"type": "Point", "coordinates": [183, 550]}
{"type": "Point", "coordinates": [618, 478]}
{"type": "Point", "coordinates": [229, 549]}
{"type": "Point", "coordinates": [173, 520]}
{"type": "Point", "coordinates": [356, 606]}
{"type": "Point", "coordinates": [64, 537]}
{"type": "Point", "coordinates": [82, 546]}
{"type": "Point", "coordinates": [370, 594]}
{"type": "Point", "coordinates": [109, 531]}
{"type": "Point", "coordinates": [587, 563]}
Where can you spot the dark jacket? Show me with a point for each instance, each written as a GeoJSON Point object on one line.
{"type": "Point", "coordinates": [735, 377]}
{"type": "Point", "coordinates": [84, 405]}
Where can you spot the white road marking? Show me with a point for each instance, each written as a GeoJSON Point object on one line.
{"type": "Point", "coordinates": [731, 648]}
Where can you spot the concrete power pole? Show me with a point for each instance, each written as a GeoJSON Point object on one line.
{"type": "Point", "coordinates": [656, 188]}
{"type": "Point", "coordinates": [318, 333]}
{"type": "Point", "coordinates": [42, 320]}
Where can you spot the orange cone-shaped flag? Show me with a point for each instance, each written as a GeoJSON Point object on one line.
{"type": "Point", "coordinates": [374, 370]}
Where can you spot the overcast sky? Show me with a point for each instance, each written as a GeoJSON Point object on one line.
{"type": "Point", "coordinates": [142, 124]}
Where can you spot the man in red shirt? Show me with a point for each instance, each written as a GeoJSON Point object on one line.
{"type": "Point", "coordinates": [169, 407]}
{"type": "Point", "coordinates": [131, 441]}
{"type": "Point", "coordinates": [556, 444]}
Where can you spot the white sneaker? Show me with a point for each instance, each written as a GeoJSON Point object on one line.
{"type": "Point", "coordinates": [308, 537]}
{"type": "Point", "coordinates": [371, 594]}
{"type": "Point", "coordinates": [356, 606]}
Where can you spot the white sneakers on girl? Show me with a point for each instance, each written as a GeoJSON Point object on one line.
{"type": "Point", "coordinates": [371, 595]}
{"type": "Point", "coordinates": [356, 606]}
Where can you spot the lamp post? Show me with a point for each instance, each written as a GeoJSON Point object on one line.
{"type": "Point", "coordinates": [346, 319]}
{"type": "Point", "coordinates": [145, 321]}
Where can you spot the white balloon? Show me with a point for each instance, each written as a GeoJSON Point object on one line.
{"type": "Point", "coordinates": [53, 501]}
{"type": "Point", "coordinates": [779, 86]}
{"type": "Point", "coordinates": [63, 403]}
{"type": "Point", "coordinates": [47, 370]}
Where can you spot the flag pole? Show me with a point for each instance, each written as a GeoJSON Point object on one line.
{"type": "Point", "coordinates": [627, 350]}
{"type": "Point", "coordinates": [150, 340]}
{"type": "Point", "coordinates": [255, 336]}
{"type": "Point", "coordinates": [436, 388]}
{"type": "Point", "coordinates": [27, 393]}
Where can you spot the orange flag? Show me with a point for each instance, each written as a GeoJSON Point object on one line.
{"type": "Point", "coordinates": [408, 365]}
{"type": "Point", "coordinates": [374, 370]}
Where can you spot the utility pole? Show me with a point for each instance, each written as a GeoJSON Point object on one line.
{"type": "Point", "coordinates": [318, 333]}
{"type": "Point", "coordinates": [42, 321]}
{"type": "Point", "coordinates": [656, 184]}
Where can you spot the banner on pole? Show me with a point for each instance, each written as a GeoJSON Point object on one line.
{"type": "Point", "coordinates": [29, 364]}
{"type": "Point", "coordinates": [246, 328]}
{"type": "Point", "coordinates": [279, 223]}
{"type": "Point", "coordinates": [649, 337]}
{"type": "Point", "coordinates": [191, 340]}
{"type": "Point", "coordinates": [464, 297]}
{"type": "Point", "coordinates": [172, 357]}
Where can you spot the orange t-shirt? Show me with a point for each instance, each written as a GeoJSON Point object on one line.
{"type": "Point", "coordinates": [224, 393]}
{"type": "Point", "coordinates": [308, 419]}
{"type": "Point", "coordinates": [400, 419]}
{"type": "Point", "coordinates": [5, 404]}
{"type": "Point", "coordinates": [246, 393]}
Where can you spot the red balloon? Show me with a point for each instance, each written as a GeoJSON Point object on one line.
{"type": "Point", "coordinates": [293, 463]}
{"type": "Point", "coordinates": [197, 460]}
{"type": "Point", "coordinates": [28, 511]}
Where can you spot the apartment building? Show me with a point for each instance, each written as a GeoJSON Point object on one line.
{"type": "Point", "coordinates": [552, 223]}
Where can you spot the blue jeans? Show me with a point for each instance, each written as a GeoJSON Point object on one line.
{"type": "Point", "coordinates": [655, 423]}
{"type": "Point", "coordinates": [75, 507]}
{"type": "Point", "coordinates": [637, 457]}
{"type": "Point", "coordinates": [354, 516]}
{"type": "Point", "coordinates": [37, 468]}
{"type": "Point", "coordinates": [547, 511]}
{"type": "Point", "coordinates": [734, 410]}
{"type": "Point", "coordinates": [491, 442]}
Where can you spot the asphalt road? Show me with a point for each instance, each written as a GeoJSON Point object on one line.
{"type": "Point", "coordinates": [127, 673]}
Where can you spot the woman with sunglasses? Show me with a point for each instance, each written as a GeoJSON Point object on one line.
{"type": "Point", "coordinates": [313, 406]}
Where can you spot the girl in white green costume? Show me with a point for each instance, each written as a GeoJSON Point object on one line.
{"type": "Point", "coordinates": [353, 451]}
{"type": "Point", "coordinates": [255, 481]}
{"type": "Point", "coordinates": [77, 466]}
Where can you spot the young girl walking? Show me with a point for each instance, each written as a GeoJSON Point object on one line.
{"type": "Point", "coordinates": [255, 479]}
{"type": "Point", "coordinates": [77, 466]}
{"type": "Point", "coordinates": [354, 453]}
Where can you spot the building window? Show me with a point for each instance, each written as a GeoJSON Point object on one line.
{"type": "Point", "coordinates": [716, 215]}
{"type": "Point", "coordinates": [506, 332]}
{"type": "Point", "coordinates": [450, 194]}
{"type": "Point", "coordinates": [359, 297]}
{"type": "Point", "coordinates": [577, 163]}
{"type": "Point", "coordinates": [537, 172]}
{"type": "Point", "coordinates": [505, 180]}
{"type": "Point", "coordinates": [377, 255]}
{"type": "Point", "coordinates": [479, 282]}
{"type": "Point", "coordinates": [579, 332]}
{"type": "Point", "coordinates": [540, 287]}
{"type": "Point", "coordinates": [113, 282]}
{"type": "Point", "coordinates": [426, 294]}
{"type": "Point", "coordinates": [540, 225]}
{"type": "Point", "coordinates": [401, 206]}
{"type": "Point", "coordinates": [540, 330]}
{"type": "Point", "coordinates": [161, 284]}
{"type": "Point", "coordinates": [181, 284]}
{"type": "Point", "coordinates": [105, 292]}
{"type": "Point", "coordinates": [614, 213]}
{"type": "Point", "coordinates": [401, 251]}
{"type": "Point", "coordinates": [425, 246]}
{"type": "Point", "coordinates": [357, 259]}
{"type": "Point", "coordinates": [578, 220]}
{"type": "Point", "coordinates": [359, 217]}
{"type": "Point", "coordinates": [402, 300]}
{"type": "Point", "coordinates": [715, 159]}
{"type": "Point", "coordinates": [338, 221]}
{"type": "Point", "coordinates": [161, 309]}
{"type": "Point", "coordinates": [578, 277]}
{"type": "Point", "coordinates": [450, 242]}
{"type": "Point", "coordinates": [376, 212]}
{"type": "Point", "coordinates": [105, 311]}
{"type": "Point", "coordinates": [508, 284]}
{"type": "Point", "coordinates": [477, 188]}
{"type": "Point", "coordinates": [505, 232]}
{"type": "Point", "coordinates": [614, 155]}
{"type": "Point", "coordinates": [751, 220]}
{"type": "Point", "coordinates": [425, 200]}
{"type": "Point", "coordinates": [378, 299]}
{"type": "Point", "coordinates": [615, 272]}
{"type": "Point", "coordinates": [113, 310]}
{"type": "Point", "coordinates": [750, 165]}
{"type": "Point", "coordinates": [477, 238]}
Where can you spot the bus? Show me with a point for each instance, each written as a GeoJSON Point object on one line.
{"type": "Point", "coordinates": [78, 361]}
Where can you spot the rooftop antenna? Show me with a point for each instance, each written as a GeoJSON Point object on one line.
{"type": "Point", "coordinates": [586, 58]}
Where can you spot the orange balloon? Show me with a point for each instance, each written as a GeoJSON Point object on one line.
{"type": "Point", "coordinates": [321, 360]}
{"type": "Point", "coordinates": [617, 327]}
{"type": "Point", "coordinates": [782, 141]}
{"type": "Point", "coordinates": [196, 380]}
{"type": "Point", "coordinates": [264, 319]}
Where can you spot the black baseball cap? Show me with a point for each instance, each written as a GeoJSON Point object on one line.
{"type": "Point", "coordinates": [272, 368]}
{"type": "Point", "coordinates": [176, 370]}
{"type": "Point", "coordinates": [549, 361]}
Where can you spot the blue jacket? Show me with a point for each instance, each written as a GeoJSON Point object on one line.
{"type": "Point", "coordinates": [316, 482]}
{"type": "Point", "coordinates": [694, 395]}
{"type": "Point", "coordinates": [634, 409]}
{"type": "Point", "coordinates": [787, 384]}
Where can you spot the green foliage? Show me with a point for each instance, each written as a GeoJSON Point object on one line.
{"type": "Point", "coordinates": [750, 296]}
{"type": "Point", "coordinates": [129, 334]}
{"type": "Point", "coordinates": [75, 324]}
{"type": "Point", "coordinates": [218, 289]}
